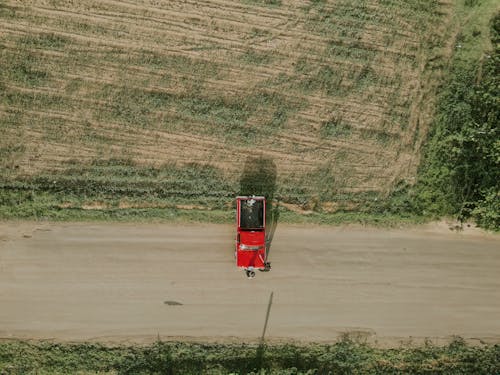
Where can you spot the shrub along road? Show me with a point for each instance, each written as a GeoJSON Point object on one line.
{"type": "Point", "coordinates": [138, 282]}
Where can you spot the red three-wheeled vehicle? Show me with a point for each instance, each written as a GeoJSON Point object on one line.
{"type": "Point", "coordinates": [251, 245]}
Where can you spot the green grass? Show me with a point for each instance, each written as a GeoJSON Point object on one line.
{"type": "Point", "coordinates": [271, 3]}
{"type": "Point", "coordinates": [473, 39]}
{"type": "Point", "coordinates": [121, 190]}
{"type": "Point", "coordinates": [49, 41]}
{"type": "Point", "coordinates": [379, 136]}
{"type": "Point", "coordinates": [30, 205]}
{"type": "Point", "coordinates": [383, 220]}
{"type": "Point", "coordinates": [251, 56]}
{"type": "Point", "coordinates": [122, 178]}
{"type": "Point", "coordinates": [335, 128]}
{"type": "Point", "coordinates": [344, 357]}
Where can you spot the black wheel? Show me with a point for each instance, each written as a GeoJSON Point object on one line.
{"type": "Point", "coordinates": [267, 267]}
{"type": "Point", "coordinates": [250, 274]}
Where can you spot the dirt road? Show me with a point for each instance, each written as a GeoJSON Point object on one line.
{"type": "Point", "coordinates": [133, 282]}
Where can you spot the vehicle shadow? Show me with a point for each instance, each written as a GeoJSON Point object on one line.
{"type": "Point", "coordinates": [259, 178]}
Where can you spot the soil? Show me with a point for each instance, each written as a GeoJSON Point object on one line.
{"type": "Point", "coordinates": [136, 282]}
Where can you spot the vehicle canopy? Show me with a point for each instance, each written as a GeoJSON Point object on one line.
{"type": "Point", "coordinates": [251, 213]}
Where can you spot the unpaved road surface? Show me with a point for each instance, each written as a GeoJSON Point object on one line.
{"type": "Point", "coordinates": [135, 282]}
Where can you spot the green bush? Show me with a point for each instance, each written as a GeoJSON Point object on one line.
{"type": "Point", "coordinates": [460, 172]}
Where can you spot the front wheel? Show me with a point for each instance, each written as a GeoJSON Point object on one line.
{"type": "Point", "coordinates": [250, 274]}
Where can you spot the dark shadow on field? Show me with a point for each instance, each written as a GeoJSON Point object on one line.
{"type": "Point", "coordinates": [259, 178]}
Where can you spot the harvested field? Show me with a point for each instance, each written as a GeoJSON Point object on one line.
{"type": "Point", "coordinates": [337, 94]}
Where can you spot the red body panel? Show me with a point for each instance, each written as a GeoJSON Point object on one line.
{"type": "Point", "coordinates": [251, 250]}
{"type": "Point", "coordinates": [251, 241]}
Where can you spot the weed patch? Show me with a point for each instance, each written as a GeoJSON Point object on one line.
{"type": "Point", "coordinates": [252, 56]}
{"type": "Point", "coordinates": [343, 357]}
{"type": "Point", "coordinates": [335, 128]}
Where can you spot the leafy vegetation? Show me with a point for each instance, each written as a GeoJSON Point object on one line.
{"type": "Point", "coordinates": [335, 128]}
{"type": "Point", "coordinates": [114, 186]}
{"type": "Point", "coordinates": [344, 357]}
{"type": "Point", "coordinates": [265, 2]}
{"type": "Point", "coordinates": [122, 190]}
{"type": "Point", "coordinates": [460, 172]}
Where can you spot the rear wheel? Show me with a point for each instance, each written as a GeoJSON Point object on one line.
{"type": "Point", "coordinates": [250, 274]}
{"type": "Point", "coordinates": [267, 267]}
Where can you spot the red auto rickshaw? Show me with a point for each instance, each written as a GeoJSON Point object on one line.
{"type": "Point", "coordinates": [251, 249]}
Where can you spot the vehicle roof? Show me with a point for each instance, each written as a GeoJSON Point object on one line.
{"type": "Point", "coordinates": [250, 197]}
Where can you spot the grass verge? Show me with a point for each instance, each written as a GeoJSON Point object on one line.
{"type": "Point", "coordinates": [121, 190]}
{"type": "Point", "coordinates": [343, 357]}
{"type": "Point", "coordinates": [33, 205]}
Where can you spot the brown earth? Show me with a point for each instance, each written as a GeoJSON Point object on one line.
{"type": "Point", "coordinates": [137, 282]}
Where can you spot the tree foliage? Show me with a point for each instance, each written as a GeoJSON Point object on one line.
{"type": "Point", "coordinates": [460, 173]}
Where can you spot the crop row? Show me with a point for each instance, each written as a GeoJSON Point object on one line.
{"type": "Point", "coordinates": [127, 181]}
